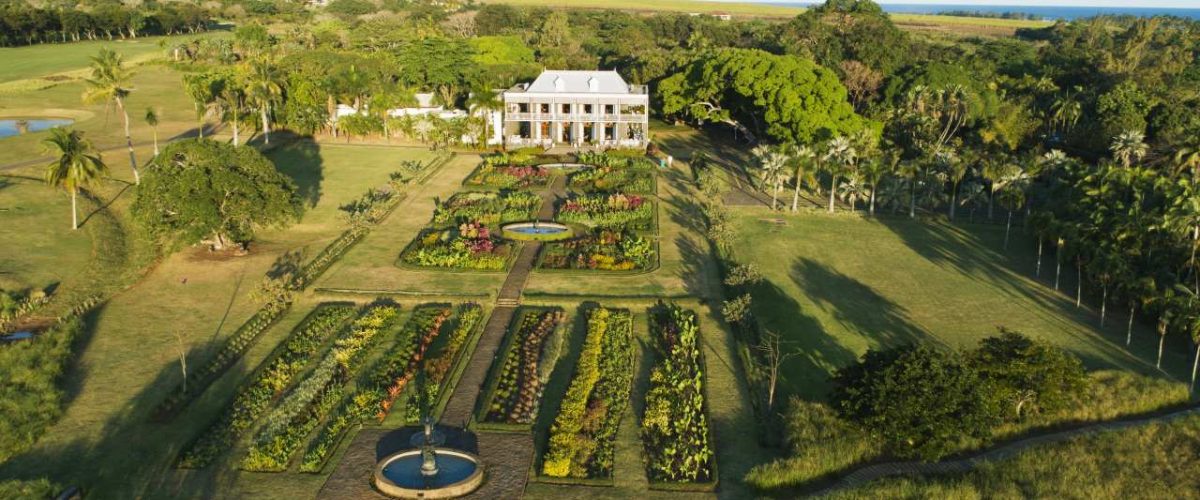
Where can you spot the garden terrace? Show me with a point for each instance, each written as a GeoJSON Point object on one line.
{"type": "Point", "coordinates": [609, 211]}
{"type": "Point", "coordinates": [469, 246]}
{"type": "Point", "coordinates": [601, 250]}
{"type": "Point", "coordinates": [516, 170]}
{"type": "Point", "coordinates": [513, 396]}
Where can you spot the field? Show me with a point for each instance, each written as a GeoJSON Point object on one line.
{"type": "Point", "coordinates": [838, 285]}
{"type": "Point", "coordinates": [50, 59]}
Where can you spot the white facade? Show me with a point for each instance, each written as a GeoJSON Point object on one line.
{"type": "Point", "coordinates": [574, 108]}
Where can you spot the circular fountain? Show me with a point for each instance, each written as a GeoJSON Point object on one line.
{"type": "Point", "coordinates": [430, 471]}
{"type": "Point", "coordinates": [536, 231]}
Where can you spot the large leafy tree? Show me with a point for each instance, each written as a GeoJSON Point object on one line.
{"type": "Point", "coordinates": [919, 400]}
{"type": "Point", "coordinates": [204, 191]}
{"type": "Point", "coordinates": [1028, 376]}
{"type": "Point", "coordinates": [77, 165]}
{"type": "Point", "coordinates": [790, 99]}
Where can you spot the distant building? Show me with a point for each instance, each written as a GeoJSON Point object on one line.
{"type": "Point", "coordinates": [573, 108]}
{"type": "Point", "coordinates": [425, 106]}
{"type": "Point", "coordinates": [724, 16]}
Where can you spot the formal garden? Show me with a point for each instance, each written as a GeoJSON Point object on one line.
{"type": "Point", "coordinates": [214, 282]}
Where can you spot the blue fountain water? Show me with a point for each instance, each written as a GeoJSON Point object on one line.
{"type": "Point", "coordinates": [8, 127]}
{"type": "Point", "coordinates": [538, 229]}
{"type": "Point", "coordinates": [406, 471]}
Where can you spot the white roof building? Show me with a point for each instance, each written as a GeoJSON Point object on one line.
{"type": "Point", "coordinates": [574, 108]}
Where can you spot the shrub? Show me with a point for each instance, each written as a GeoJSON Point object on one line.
{"type": "Point", "coordinates": [518, 391]}
{"type": "Point", "coordinates": [615, 211]}
{"type": "Point", "coordinates": [918, 400]}
{"type": "Point", "coordinates": [820, 443]}
{"type": "Point", "coordinates": [1028, 375]}
{"type": "Point", "coordinates": [603, 250]}
{"type": "Point", "coordinates": [470, 246]}
{"type": "Point", "coordinates": [674, 426]}
{"type": "Point", "coordinates": [32, 398]}
{"type": "Point", "coordinates": [487, 208]}
{"type": "Point", "coordinates": [581, 439]}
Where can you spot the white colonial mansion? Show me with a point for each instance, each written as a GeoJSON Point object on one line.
{"type": "Point", "coordinates": [573, 108]}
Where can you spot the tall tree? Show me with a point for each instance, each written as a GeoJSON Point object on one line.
{"type": "Point", "coordinates": [110, 83]}
{"type": "Point", "coordinates": [1129, 147]}
{"type": "Point", "coordinates": [152, 121]}
{"type": "Point", "coordinates": [840, 157]}
{"type": "Point", "coordinates": [264, 88]}
{"type": "Point", "coordinates": [773, 170]}
{"type": "Point", "coordinates": [803, 160]}
{"type": "Point", "coordinates": [78, 165]}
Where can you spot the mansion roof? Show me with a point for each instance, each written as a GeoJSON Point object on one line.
{"type": "Point", "coordinates": [579, 82]}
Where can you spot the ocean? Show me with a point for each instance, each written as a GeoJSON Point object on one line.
{"type": "Point", "coordinates": [1045, 12]}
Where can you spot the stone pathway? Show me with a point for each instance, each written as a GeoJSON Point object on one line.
{"type": "Point", "coordinates": [873, 472]}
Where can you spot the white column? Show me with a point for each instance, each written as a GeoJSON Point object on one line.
{"type": "Point", "coordinates": [497, 127]}
{"type": "Point", "coordinates": [597, 132]}
{"type": "Point", "coordinates": [537, 130]}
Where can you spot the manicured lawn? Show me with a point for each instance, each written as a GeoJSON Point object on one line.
{"type": "Point", "coordinates": [47, 59]}
{"type": "Point", "coordinates": [37, 246]}
{"type": "Point", "coordinates": [838, 285]}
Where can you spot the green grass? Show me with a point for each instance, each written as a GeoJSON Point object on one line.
{"type": "Point", "coordinates": [47, 59]}
{"type": "Point", "coordinates": [37, 246]}
{"type": "Point", "coordinates": [1154, 461]}
{"type": "Point", "coordinates": [838, 285]}
{"type": "Point", "coordinates": [127, 360]}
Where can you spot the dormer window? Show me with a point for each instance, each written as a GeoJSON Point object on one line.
{"type": "Point", "coordinates": [593, 84]}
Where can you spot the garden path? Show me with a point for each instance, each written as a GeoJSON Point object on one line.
{"type": "Point", "coordinates": [870, 473]}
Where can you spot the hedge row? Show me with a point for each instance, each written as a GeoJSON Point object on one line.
{"type": "Point", "coordinates": [259, 392]}
{"type": "Point", "coordinates": [581, 440]}
{"type": "Point", "coordinates": [675, 429]}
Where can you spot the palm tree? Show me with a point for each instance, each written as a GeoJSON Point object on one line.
{"type": "Point", "coordinates": [78, 165]}
{"type": "Point", "coordinates": [873, 171]}
{"type": "Point", "coordinates": [110, 83]}
{"type": "Point", "coordinates": [1187, 159]}
{"type": "Point", "coordinates": [152, 121]}
{"type": "Point", "coordinates": [971, 194]}
{"type": "Point", "coordinates": [803, 159]}
{"type": "Point", "coordinates": [911, 172]}
{"type": "Point", "coordinates": [1066, 111]}
{"type": "Point", "coordinates": [1129, 147]}
{"type": "Point", "coordinates": [485, 100]}
{"type": "Point", "coordinates": [955, 169]}
{"type": "Point", "coordinates": [772, 170]}
{"type": "Point", "coordinates": [263, 89]}
{"type": "Point", "coordinates": [1011, 198]}
{"type": "Point", "coordinates": [232, 99]}
{"type": "Point", "coordinates": [853, 190]}
{"type": "Point", "coordinates": [384, 100]}
{"type": "Point", "coordinates": [839, 158]}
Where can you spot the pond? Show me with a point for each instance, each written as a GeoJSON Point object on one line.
{"type": "Point", "coordinates": [20, 126]}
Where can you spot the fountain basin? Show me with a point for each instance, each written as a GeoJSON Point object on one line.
{"type": "Point", "coordinates": [536, 231]}
{"type": "Point", "coordinates": [399, 475]}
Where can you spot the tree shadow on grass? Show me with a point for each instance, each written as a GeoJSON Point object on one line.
{"type": "Point", "coordinates": [302, 162]}
{"type": "Point", "coordinates": [129, 457]}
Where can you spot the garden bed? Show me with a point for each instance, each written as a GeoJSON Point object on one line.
{"type": "Point", "coordinates": [601, 250]}
{"type": "Point", "coordinates": [443, 365]}
{"type": "Point", "coordinates": [467, 247]}
{"type": "Point", "coordinates": [609, 211]}
{"type": "Point", "coordinates": [487, 207]}
{"type": "Point", "coordinates": [514, 391]}
{"type": "Point", "coordinates": [676, 431]}
{"type": "Point", "coordinates": [380, 386]}
{"type": "Point", "coordinates": [508, 176]}
{"type": "Point", "coordinates": [613, 179]}
{"type": "Point", "coordinates": [580, 446]}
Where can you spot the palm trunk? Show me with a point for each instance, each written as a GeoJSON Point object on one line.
{"type": "Point", "coordinates": [1129, 329]}
{"type": "Point", "coordinates": [1162, 337]}
{"type": "Point", "coordinates": [832, 191]}
{"type": "Point", "coordinates": [912, 200]}
{"type": "Point", "coordinates": [774, 197]}
{"type": "Point", "coordinates": [235, 128]}
{"type": "Point", "coordinates": [872, 202]}
{"type": "Point", "coordinates": [796, 196]}
{"type": "Point", "coordinates": [1195, 363]}
{"type": "Point", "coordinates": [991, 203]}
{"type": "Point", "coordinates": [1007, 230]}
{"type": "Point", "coordinates": [137, 178]}
{"type": "Point", "coordinates": [1103, 304]}
{"type": "Point", "coordinates": [1038, 270]}
{"type": "Point", "coordinates": [1057, 269]}
{"type": "Point", "coordinates": [74, 213]}
{"type": "Point", "coordinates": [156, 141]}
{"type": "Point", "coordinates": [266, 125]}
{"type": "Point", "coordinates": [954, 201]}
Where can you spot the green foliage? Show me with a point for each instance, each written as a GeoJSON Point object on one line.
{"type": "Point", "coordinates": [204, 190]}
{"type": "Point", "coordinates": [258, 393]}
{"type": "Point", "coordinates": [820, 444]}
{"type": "Point", "coordinates": [1027, 375]}
{"type": "Point", "coordinates": [796, 99]}
{"type": "Point", "coordinates": [32, 397]}
{"type": "Point", "coordinates": [637, 177]}
{"type": "Point", "coordinates": [944, 400]}
{"type": "Point", "coordinates": [527, 364]}
{"type": "Point", "coordinates": [675, 429]}
{"type": "Point", "coordinates": [604, 250]}
{"type": "Point", "coordinates": [487, 208]}
{"type": "Point", "coordinates": [608, 211]}
{"type": "Point", "coordinates": [469, 246]}
{"type": "Point", "coordinates": [581, 439]}
{"type": "Point", "coordinates": [40, 488]}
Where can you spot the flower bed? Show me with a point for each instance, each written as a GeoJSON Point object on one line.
{"type": "Point", "coordinates": [302, 409]}
{"type": "Point", "coordinates": [581, 439]}
{"type": "Point", "coordinates": [613, 179]}
{"type": "Point", "coordinates": [527, 365]}
{"type": "Point", "coordinates": [675, 430]}
{"type": "Point", "coordinates": [266, 385]}
{"type": "Point", "coordinates": [604, 250]}
{"type": "Point", "coordinates": [383, 383]}
{"type": "Point", "coordinates": [438, 364]}
{"type": "Point", "coordinates": [487, 208]}
{"type": "Point", "coordinates": [612, 211]}
{"type": "Point", "coordinates": [469, 246]}
{"type": "Point", "coordinates": [508, 176]}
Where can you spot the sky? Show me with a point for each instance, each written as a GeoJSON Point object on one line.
{"type": "Point", "coordinates": [1181, 4]}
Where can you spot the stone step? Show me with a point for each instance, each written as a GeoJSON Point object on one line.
{"type": "Point", "coordinates": [508, 302]}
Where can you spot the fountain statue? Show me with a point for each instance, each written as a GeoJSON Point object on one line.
{"type": "Point", "coordinates": [430, 470]}
{"type": "Point", "coordinates": [427, 442]}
